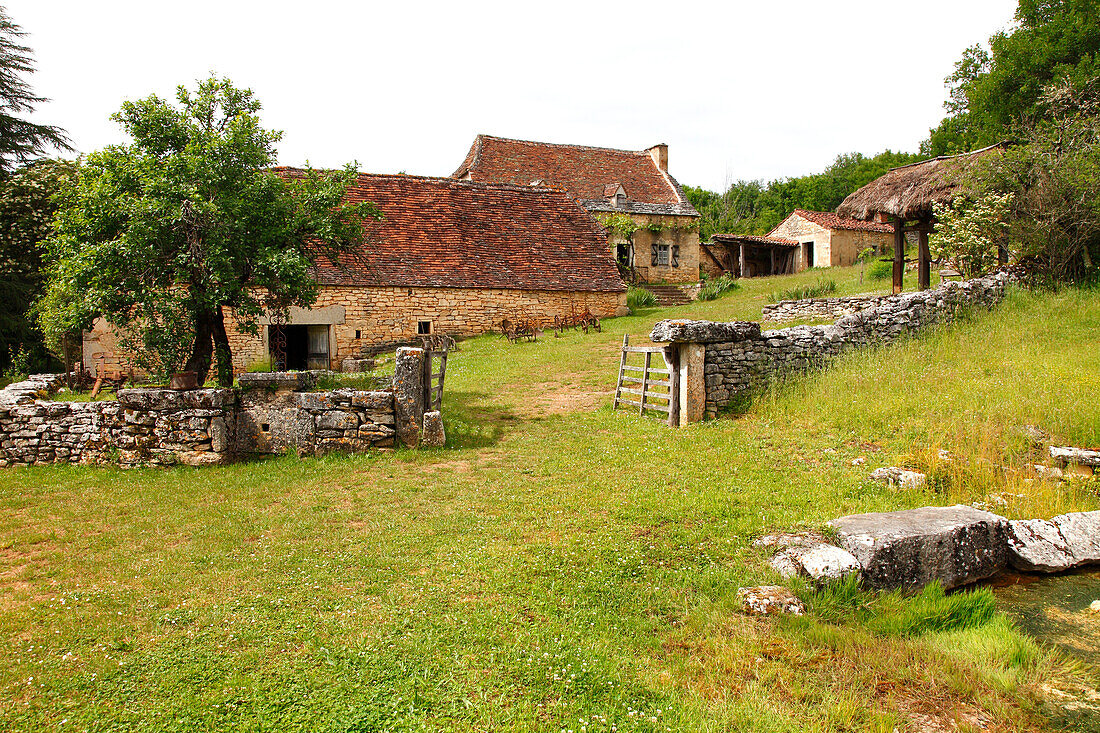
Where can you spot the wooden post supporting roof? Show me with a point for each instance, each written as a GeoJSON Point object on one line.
{"type": "Point", "coordinates": [924, 258]}
{"type": "Point", "coordinates": [899, 255]}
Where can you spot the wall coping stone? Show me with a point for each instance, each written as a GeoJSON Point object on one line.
{"type": "Point", "coordinates": [683, 331]}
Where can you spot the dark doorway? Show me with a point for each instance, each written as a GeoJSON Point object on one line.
{"type": "Point", "coordinates": [808, 254]}
{"type": "Point", "coordinates": [297, 348]}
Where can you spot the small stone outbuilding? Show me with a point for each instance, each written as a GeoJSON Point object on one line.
{"type": "Point", "coordinates": [828, 240]}
{"type": "Point", "coordinates": [664, 247]}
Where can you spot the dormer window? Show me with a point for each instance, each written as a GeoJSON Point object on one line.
{"type": "Point", "coordinates": [616, 195]}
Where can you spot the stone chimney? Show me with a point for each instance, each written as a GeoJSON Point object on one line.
{"type": "Point", "coordinates": [659, 153]}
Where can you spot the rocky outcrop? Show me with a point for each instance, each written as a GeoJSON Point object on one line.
{"type": "Point", "coordinates": [770, 600]}
{"type": "Point", "coordinates": [1054, 545]}
{"type": "Point", "coordinates": [1076, 460]}
{"type": "Point", "coordinates": [908, 549]}
{"type": "Point", "coordinates": [810, 556]}
{"type": "Point", "coordinates": [899, 477]}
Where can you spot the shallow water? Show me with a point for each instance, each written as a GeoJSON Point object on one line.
{"type": "Point", "coordinates": [1055, 610]}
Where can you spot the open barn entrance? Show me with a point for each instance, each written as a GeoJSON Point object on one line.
{"type": "Point", "coordinates": [297, 348]}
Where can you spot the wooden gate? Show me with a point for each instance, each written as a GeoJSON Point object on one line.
{"type": "Point", "coordinates": [655, 387]}
{"type": "Point", "coordinates": [433, 380]}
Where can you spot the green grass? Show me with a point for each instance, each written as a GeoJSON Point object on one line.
{"type": "Point", "coordinates": [559, 565]}
{"type": "Point", "coordinates": [818, 289]}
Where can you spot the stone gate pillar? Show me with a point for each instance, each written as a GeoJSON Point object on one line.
{"type": "Point", "coordinates": [408, 395]}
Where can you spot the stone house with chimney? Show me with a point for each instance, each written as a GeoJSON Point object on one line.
{"type": "Point", "coordinates": [661, 243]}
{"type": "Point", "coordinates": [826, 239]}
{"type": "Point", "coordinates": [450, 257]}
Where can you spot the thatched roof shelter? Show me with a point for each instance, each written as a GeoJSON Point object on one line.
{"type": "Point", "coordinates": [908, 192]}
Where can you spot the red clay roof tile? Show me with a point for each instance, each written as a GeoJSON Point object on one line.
{"type": "Point", "coordinates": [584, 172]}
{"type": "Point", "coordinates": [439, 232]}
{"type": "Point", "coordinates": [829, 220]}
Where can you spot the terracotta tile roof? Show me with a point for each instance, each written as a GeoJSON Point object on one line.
{"type": "Point", "coordinates": [439, 232]}
{"type": "Point", "coordinates": [584, 172]}
{"type": "Point", "coordinates": [753, 239]}
{"type": "Point", "coordinates": [829, 220]}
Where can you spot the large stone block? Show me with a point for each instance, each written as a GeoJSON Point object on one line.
{"type": "Point", "coordinates": [408, 395]}
{"type": "Point", "coordinates": [908, 549]}
{"type": "Point", "coordinates": [433, 435]}
{"type": "Point", "coordinates": [703, 332]}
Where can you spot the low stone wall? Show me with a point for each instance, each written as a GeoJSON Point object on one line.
{"type": "Point", "coordinates": [144, 427]}
{"type": "Point", "coordinates": [808, 309]}
{"type": "Point", "coordinates": [717, 362]}
{"type": "Point", "coordinates": [269, 413]}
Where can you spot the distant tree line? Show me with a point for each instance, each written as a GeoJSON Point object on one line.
{"type": "Point", "coordinates": [753, 207]}
{"type": "Point", "coordinates": [1037, 86]}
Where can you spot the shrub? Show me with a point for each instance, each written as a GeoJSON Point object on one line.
{"type": "Point", "coordinates": [879, 270]}
{"type": "Point", "coordinates": [717, 287]}
{"type": "Point", "coordinates": [817, 290]}
{"type": "Point", "coordinates": [637, 298]}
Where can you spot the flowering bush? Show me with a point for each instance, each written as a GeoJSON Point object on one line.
{"type": "Point", "coordinates": [969, 230]}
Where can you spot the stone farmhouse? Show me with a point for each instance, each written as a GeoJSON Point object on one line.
{"type": "Point", "coordinates": [450, 257]}
{"type": "Point", "coordinates": [664, 246]}
{"type": "Point", "coordinates": [828, 240]}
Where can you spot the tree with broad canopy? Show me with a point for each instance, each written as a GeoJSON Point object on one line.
{"type": "Point", "coordinates": [164, 236]}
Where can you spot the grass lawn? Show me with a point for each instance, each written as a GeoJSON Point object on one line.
{"type": "Point", "coordinates": [559, 566]}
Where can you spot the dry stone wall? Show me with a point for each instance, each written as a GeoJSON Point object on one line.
{"type": "Point", "coordinates": [739, 358]}
{"type": "Point", "coordinates": [808, 309]}
{"type": "Point", "coordinates": [269, 413]}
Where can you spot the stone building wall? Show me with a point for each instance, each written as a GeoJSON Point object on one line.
{"type": "Point", "coordinates": [737, 358]}
{"type": "Point", "coordinates": [676, 230]}
{"type": "Point", "coordinates": [803, 230]}
{"type": "Point", "coordinates": [848, 243]}
{"type": "Point", "coordinates": [359, 317]}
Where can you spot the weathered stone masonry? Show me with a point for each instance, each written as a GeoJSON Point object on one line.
{"type": "Point", "coordinates": [270, 413]}
{"type": "Point", "coordinates": [719, 361]}
{"type": "Point", "coordinates": [814, 308]}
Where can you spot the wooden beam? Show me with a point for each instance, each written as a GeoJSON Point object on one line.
{"type": "Point", "coordinates": [924, 260]}
{"type": "Point", "coordinates": [741, 259]}
{"type": "Point", "coordinates": [899, 255]}
{"type": "Point", "coordinates": [771, 254]}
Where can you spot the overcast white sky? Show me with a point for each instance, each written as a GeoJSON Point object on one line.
{"type": "Point", "coordinates": [737, 89]}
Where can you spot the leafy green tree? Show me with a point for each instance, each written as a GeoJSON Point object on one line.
{"type": "Point", "coordinates": [990, 92]}
{"type": "Point", "coordinates": [165, 235]}
{"type": "Point", "coordinates": [20, 139]}
{"type": "Point", "coordinates": [27, 209]}
{"type": "Point", "coordinates": [1053, 176]}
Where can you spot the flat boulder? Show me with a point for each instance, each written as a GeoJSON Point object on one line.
{"type": "Point", "coordinates": [908, 549]}
{"type": "Point", "coordinates": [1054, 545]}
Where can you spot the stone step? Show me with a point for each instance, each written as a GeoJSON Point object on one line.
{"type": "Point", "coordinates": [668, 295]}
